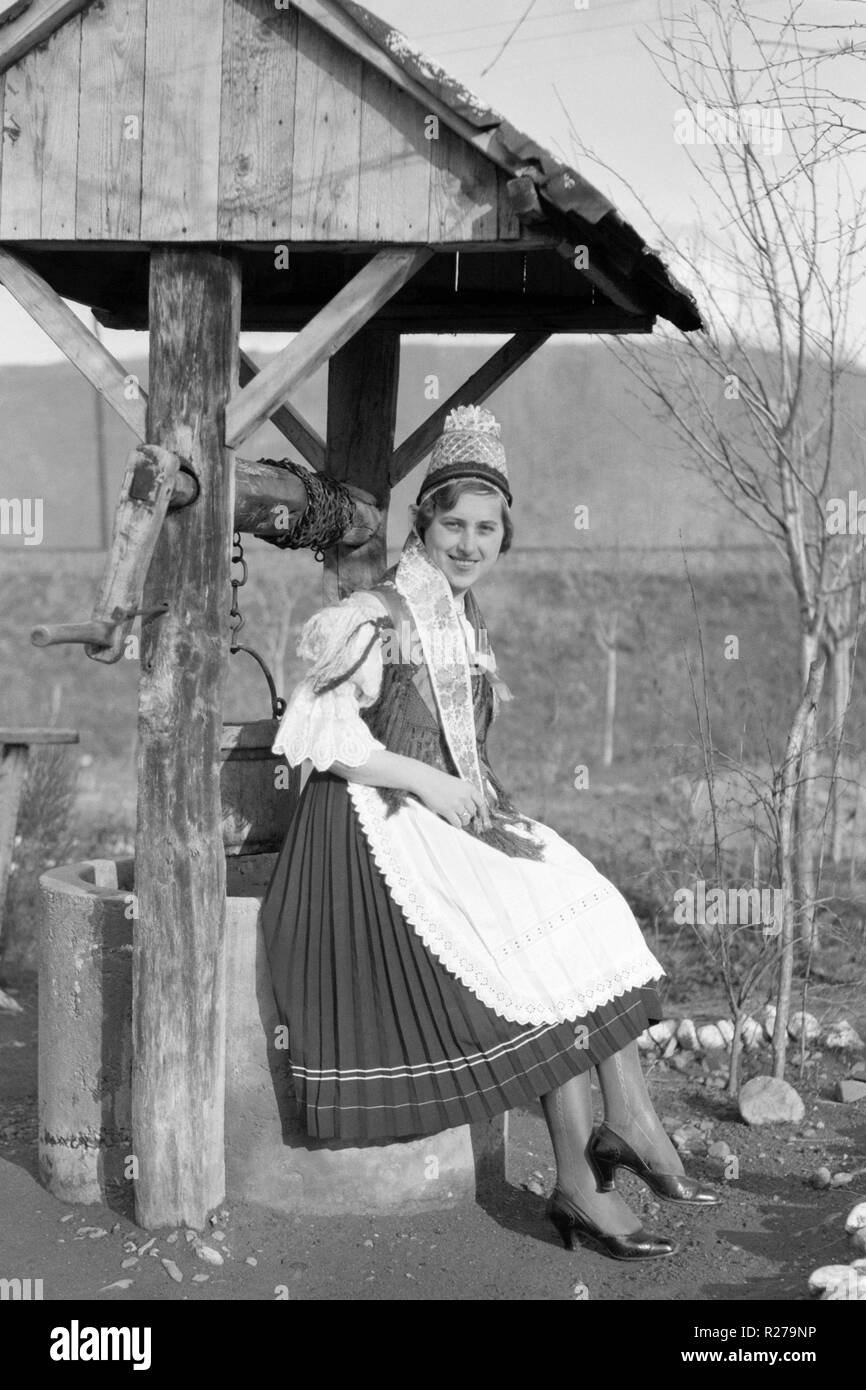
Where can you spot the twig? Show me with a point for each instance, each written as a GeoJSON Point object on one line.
{"type": "Point", "coordinates": [526, 13]}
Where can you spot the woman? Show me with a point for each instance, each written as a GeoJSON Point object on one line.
{"type": "Point", "coordinates": [436, 956]}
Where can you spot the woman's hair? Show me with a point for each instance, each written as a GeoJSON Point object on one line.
{"type": "Point", "coordinates": [444, 499]}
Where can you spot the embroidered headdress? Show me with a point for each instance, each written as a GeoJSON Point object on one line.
{"type": "Point", "coordinates": [469, 447]}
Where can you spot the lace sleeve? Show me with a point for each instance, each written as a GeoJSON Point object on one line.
{"type": "Point", "coordinates": [322, 722]}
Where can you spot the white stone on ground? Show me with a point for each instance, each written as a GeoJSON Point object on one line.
{"type": "Point", "coordinates": [803, 1024]}
{"type": "Point", "coordinates": [842, 1037]}
{"type": "Point", "coordinates": [766, 1100]}
{"type": "Point", "coordinates": [661, 1033]}
{"type": "Point", "coordinates": [209, 1255]}
{"type": "Point", "coordinates": [836, 1283]}
{"type": "Point", "coordinates": [855, 1225]}
{"type": "Point", "coordinates": [752, 1033]}
{"type": "Point", "coordinates": [710, 1038]}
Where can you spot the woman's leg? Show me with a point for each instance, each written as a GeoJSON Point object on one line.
{"type": "Point", "coordinates": [568, 1111]}
{"type": "Point", "coordinates": [630, 1112]}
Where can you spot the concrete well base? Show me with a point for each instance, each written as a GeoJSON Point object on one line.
{"type": "Point", "coordinates": [85, 1061]}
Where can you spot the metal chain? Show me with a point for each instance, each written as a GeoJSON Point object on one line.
{"type": "Point", "coordinates": [328, 513]}
{"type": "Point", "coordinates": [236, 622]}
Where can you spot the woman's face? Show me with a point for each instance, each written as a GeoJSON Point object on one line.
{"type": "Point", "coordinates": [464, 542]}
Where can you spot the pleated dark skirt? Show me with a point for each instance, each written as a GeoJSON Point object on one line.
{"type": "Point", "coordinates": [383, 1040]}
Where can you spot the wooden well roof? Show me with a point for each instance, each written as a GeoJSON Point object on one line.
{"type": "Point", "coordinates": [315, 127]}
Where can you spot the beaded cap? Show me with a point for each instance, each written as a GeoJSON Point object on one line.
{"type": "Point", "coordinates": [468, 447]}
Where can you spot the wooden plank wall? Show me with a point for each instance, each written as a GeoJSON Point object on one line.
{"type": "Point", "coordinates": [110, 122]}
{"type": "Point", "coordinates": [154, 120]}
{"type": "Point", "coordinates": [181, 127]}
{"type": "Point", "coordinates": [257, 119]}
{"type": "Point", "coordinates": [40, 139]}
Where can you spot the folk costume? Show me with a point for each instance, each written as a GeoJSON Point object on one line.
{"type": "Point", "coordinates": [431, 976]}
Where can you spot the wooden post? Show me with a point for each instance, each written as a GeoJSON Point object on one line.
{"type": "Point", "coordinates": [178, 961]}
{"type": "Point", "coordinates": [362, 412]}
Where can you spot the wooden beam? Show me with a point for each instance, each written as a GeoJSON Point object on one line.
{"type": "Point", "coordinates": [601, 279]}
{"type": "Point", "coordinates": [504, 362]}
{"type": "Point", "coordinates": [76, 342]}
{"type": "Point", "coordinates": [263, 486]}
{"type": "Point", "coordinates": [178, 954]}
{"type": "Point", "coordinates": [30, 734]}
{"type": "Point", "coordinates": [333, 326]}
{"type": "Point", "coordinates": [491, 315]}
{"type": "Point", "coordinates": [33, 26]}
{"type": "Point", "coordinates": [11, 9]}
{"type": "Point", "coordinates": [290, 422]}
{"type": "Point", "coordinates": [362, 415]}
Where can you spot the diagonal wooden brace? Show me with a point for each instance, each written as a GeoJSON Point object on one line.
{"type": "Point", "coordinates": [77, 343]}
{"type": "Point", "coordinates": [289, 422]}
{"type": "Point", "coordinates": [327, 331]}
{"type": "Point", "coordinates": [489, 377]}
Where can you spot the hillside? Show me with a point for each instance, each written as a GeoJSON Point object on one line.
{"type": "Point", "coordinates": [575, 430]}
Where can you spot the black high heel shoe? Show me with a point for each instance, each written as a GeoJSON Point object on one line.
{"type": "Point", "coordinates": [569, 1221]}
{"type": "Point", "coordinates": [608, 1151]}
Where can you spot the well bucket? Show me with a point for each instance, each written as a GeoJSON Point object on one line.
{"type": "Point", "coordinates": [258, 789]}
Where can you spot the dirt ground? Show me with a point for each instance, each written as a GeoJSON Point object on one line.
{"type": "Point", "coordinates": [772, 1229]}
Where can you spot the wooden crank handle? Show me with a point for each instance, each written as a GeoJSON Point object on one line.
{"type": "Point", "coordinates": [51, 634]}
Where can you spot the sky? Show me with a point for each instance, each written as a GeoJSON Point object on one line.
{"type": "Point", "coordinates": [586, 56]}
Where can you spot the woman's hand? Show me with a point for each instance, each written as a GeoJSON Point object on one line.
{"type": "Point", "coordinates": [450, 797]}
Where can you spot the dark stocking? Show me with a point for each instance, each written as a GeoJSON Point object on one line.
{"type": "Point", "coordinates": [630, 1112]}
{"type": "Point", "coordinates": [568, 1111]}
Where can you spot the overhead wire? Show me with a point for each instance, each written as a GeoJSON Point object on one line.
{"type": "Point", "coordinates": [553, 35]}
{"type": "Point", "coordinates": [502, 23]}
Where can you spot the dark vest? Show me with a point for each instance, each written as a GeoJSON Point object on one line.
{"type": "Point", "coordinates": [405, 719]}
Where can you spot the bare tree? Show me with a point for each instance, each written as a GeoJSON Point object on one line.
{"type": "Point", "coordinates": [764, 397]}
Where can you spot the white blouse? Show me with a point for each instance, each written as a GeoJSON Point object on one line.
{"type": "Point", "coordinates": [328, 728]}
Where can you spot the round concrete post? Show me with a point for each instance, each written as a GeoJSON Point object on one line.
{"type": "Point", "coordinates": [269, 1158]}
{"type": "Point", "coordinates": [85, 1031]}
{"type": "Point", "coordinates": [85, 1067]}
